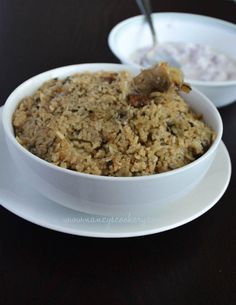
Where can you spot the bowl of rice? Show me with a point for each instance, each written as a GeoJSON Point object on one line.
{"type": "Point", "coordinates": [108, 139]}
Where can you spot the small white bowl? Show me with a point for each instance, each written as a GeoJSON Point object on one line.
{"type": "Point", "coordinates": [98, 194]}
{"type": "Point", "coordinates": [133, 33]}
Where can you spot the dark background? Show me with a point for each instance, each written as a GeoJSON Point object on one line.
{"type": "Point", "coordinates": [193, 264]}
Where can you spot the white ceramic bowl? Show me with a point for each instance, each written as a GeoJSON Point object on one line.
{"type": "Point", "coordinates": [106, 195]}
{"type": "Point", "coordinates": [133, 33]}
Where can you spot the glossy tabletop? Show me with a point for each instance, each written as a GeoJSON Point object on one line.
{"type": "Point", "coordinates": [192, 264]}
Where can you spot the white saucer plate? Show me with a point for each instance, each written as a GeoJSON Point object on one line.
{"type": "Point", "coordinates": [19, 198]}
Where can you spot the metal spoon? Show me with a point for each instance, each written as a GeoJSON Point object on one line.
{"type": "Point", "coordinates": [154, 54]}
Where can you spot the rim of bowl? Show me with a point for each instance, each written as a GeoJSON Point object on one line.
{"type": "Point", "coordinates": [115, 30]}
{"type": "Point", "coordinates": [8, 129]}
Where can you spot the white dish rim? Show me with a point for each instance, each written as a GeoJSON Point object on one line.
{"type": "Point", "coordinates": [7, 128]}
{"type": "Point", "coordinates": [113, 33]}
{"type": "Point", "coordinates": [125, 234]}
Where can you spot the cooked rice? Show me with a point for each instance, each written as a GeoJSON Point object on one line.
{"type": "Point", "coordinates": [94, 123]}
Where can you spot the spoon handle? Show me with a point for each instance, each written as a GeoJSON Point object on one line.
{"type": "Point", "coordinates": [145, 8]}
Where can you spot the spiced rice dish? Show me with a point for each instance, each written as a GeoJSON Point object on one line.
{"type": "Point", "coordinates": [113, 124]}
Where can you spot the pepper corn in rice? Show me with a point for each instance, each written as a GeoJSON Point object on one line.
{"type": "Point", "coordinates": [113, 124]}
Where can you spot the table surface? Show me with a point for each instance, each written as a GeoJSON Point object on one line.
{"type": "Point", "coordinates": [193, 264]}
